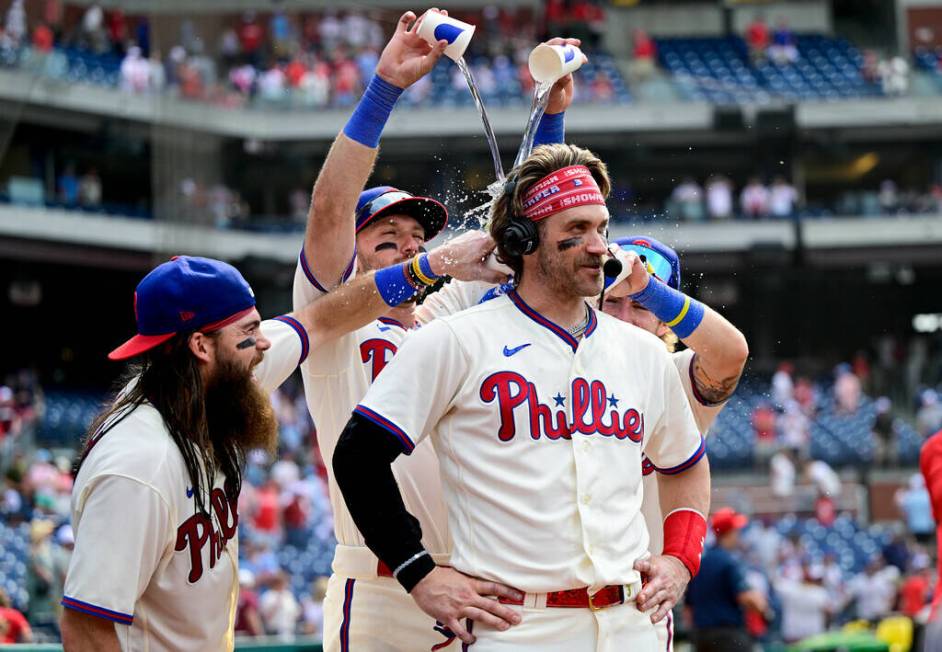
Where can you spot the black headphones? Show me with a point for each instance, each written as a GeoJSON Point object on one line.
{"type": "Point", "coordinates": [520, 237]}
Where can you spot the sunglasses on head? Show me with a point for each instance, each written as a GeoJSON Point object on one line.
{"type": "Point", "coordinates": [379, 203]}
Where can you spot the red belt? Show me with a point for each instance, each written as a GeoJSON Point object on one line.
{"type": "Point", "coordinates": [605, 597]}
{"type": "Point", "coordinates": [608, 596]}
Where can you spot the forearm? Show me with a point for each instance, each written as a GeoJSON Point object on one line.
{"type": "Point", "coordinates": [721, 351]}
{"type": "Point", "coordinates": [362, 468]}
{"type": "Point", "coordinates": [721, 348]}
{"type": "Point", "coordinates": [358, 302]}
{"type": "Point", "coordinates": [84, 633]}
{"type": "Point", "coordinates": [685, 503]}
{"type": "Point", "coordinates": [331, 226]}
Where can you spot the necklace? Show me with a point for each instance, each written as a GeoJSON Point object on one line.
{"type": "Point", "coordinates": [577, 330]}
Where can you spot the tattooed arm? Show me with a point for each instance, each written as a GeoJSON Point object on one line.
{"type": "Point", "coordinates": [721, 349]}
{"type": "Point", "coordinates": [721, 355]}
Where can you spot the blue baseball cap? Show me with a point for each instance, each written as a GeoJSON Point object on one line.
{"type": "Point", "coordinates": [386, 200]}
{"type": "Point", "coordinates": [662, 261]}
{"type": "Point", "coordinates": [182, 295]}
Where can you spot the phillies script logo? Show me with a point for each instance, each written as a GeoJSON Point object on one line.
{"type": "Point", "coordinates": [378, 352]}
{"type": "Point", "coordinates": [593, 410]}
{"type": "Point", "coordinates": [196, 531]}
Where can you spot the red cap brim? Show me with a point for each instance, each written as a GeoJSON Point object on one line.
{"type": "Point", "coordinates": [137, 345]}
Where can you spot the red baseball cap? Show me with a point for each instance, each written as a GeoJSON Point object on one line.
{"type": "Point", "coordinates": [727, 519]}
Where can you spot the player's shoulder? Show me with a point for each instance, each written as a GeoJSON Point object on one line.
{"type": "Point", "coordinates": [478, 313]}
{"type": "Point", "coordinates": [136, 444]}
{"type": "Point", "coordinates": [638, 337]}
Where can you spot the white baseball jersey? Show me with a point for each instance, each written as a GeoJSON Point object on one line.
{"type": "Point", "coordinates": [337, 375]}
{"type": "Point", "coordinates": [539, 438]}
{"type": "Point", "coordinates": [143, 559]}
{"type": "Point", "coordinates": [704, 413]}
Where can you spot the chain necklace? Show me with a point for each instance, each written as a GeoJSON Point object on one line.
{"type": "Point", "coordinates": [577, 330]}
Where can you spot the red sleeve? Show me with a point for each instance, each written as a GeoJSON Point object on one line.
{"type": "Point", "coordinates": [930, 463]}
{"type": "Point", "coordinates": [17, 623]}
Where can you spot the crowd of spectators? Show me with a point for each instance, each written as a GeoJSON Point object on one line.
{"type": "Point", "coordinates": [810, 594]}
{"type": "Point", "coordinates": [717, 200]}
{"type": "Point", "coordinates": [282, 59]}
{"type": "Point", "coordinates": [691, 202]}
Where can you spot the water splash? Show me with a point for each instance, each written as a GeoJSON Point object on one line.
{"type": "Point", "coordinates": [541, 94]}
{"type": "Point", "coordinates": [488, 130]}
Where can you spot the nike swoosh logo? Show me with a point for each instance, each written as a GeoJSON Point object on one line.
{"type": "Point", "coordinates": [383, 329]}
{"type": "Point", "coordinates": [189, 492]}
{"type": "Point", "coordinates": [517, 349]}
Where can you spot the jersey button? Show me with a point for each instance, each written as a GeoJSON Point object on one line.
{"type": "Point", "coordinates": [586, 499]}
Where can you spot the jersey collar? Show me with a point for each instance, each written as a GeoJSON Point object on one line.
{"type": "Point", "coordinates": [551, 326]}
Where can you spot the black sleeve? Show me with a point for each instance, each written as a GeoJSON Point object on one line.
{"type": "Point", "coordinates": [362, 468]}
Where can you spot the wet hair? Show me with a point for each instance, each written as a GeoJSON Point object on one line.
{"type": "Point", "coordinates": [543, 161]}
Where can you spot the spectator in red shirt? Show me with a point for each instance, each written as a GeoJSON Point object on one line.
{"type": "Point", "coordinates": [758, 37]}
{"type": "Point", "coordinates": [645, 53]}
{"type": "Point", "coordinates": [43, 38]}
{"type": "Point", "coordinates": [251, 35]}
{"type": "Point", "coordinates": [13, 625]}
{"type": "Point", "coordinates": [248, 622]}
{"type": "Point", "coordinates": [267, 515]}
{"type": "Point", "coordinates": [915, 591]}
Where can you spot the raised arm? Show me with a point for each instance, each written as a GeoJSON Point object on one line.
{"type": "Point", "coordinates": [552, 125]}
{"type": "Point", "coordinates": [721, 348]}
{"type": "Point", "coordinates": [330, 235]}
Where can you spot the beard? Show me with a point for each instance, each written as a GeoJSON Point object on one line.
{"type": "Point", "coordinates": [238, 413]}
{"type": "Point", "coordinates": [566, 276]}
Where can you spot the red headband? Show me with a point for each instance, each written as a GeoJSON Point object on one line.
{"type": "Point", "coordinates": [566, 188]}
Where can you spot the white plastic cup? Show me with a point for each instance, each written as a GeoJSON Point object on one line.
{"type": "Point", "coordinates": [550, 62]}
{"type": "Point", "coordinates": [437, 27]}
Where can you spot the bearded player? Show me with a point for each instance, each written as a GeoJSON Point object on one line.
{"type": "Point", "coordinates": [348, 232]}
{"type": "Point", "coordinates": [155, 498]}
{"type": "Point", "coordinates": [539, 408]}
{"type": "Point", "coordinates": [709, 368]}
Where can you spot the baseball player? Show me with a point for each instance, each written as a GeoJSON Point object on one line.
{"type": "Point", "coordinates": [539, 408]}
{"type": "Point", "coordinates": [709, 368]}
{"type": "Point", "coordinates": [348, 232]}
{"type": "Point", "coordinates": [155, 497]}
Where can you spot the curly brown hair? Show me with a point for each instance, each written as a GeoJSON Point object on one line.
{"type": "Point", "coordinates": [543, 161]}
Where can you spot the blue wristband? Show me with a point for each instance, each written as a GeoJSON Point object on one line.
{"type": "Point", "coordinates": [366, 124]}
{"type": "Point", "coordinates": [426, 267]}
{"type": "Point", "coordinates": [393, 285]}
{"type": "Point", "coordinates": [552, 129]}
{"type": "Point", "coordinates": [681, 313]}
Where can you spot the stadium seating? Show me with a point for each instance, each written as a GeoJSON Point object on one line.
{"type": "Point", "coordinates": [67, 417]}
{"type": "Point", "coordinates": [852, 545]}
{"type": "Point", "coordinates": [14, 554]}
{"type": "Point", "coordinates": [718, 70]}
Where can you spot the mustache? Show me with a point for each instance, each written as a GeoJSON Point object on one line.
{"type": "Point", "coordinates": [590, 261]}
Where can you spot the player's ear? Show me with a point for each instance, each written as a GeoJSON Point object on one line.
{"type": "Point", "coordinates": [662, 329]}
{"type": "Point", "coordinates": [202, 346]}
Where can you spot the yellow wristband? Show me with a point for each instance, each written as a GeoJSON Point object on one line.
{"type": "Point", "coordinates": [683, 313]}
{"type": "Point", "coordinates": [417, 270]}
